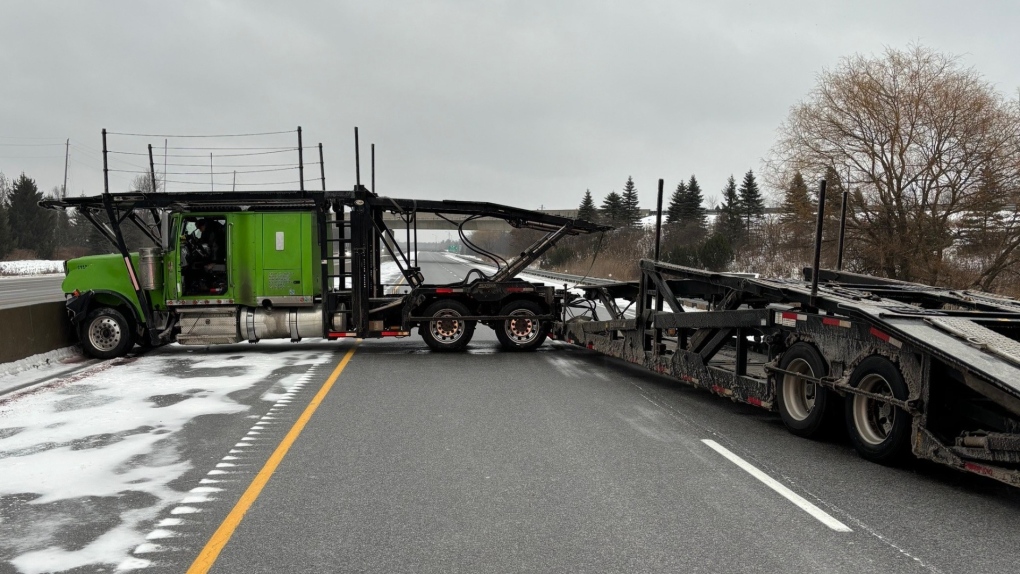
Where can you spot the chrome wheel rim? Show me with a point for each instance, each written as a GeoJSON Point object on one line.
{"type": "Point", "coordinates": [446, 326]}
{"type": "Point", "coordinates": [105, 333]}
{"type": "Point", "coordinates": [523, 328]}
{"type": "Point", "coordinates": [874, 419]}
{"type": "Point", "coordinates": [798, 393]}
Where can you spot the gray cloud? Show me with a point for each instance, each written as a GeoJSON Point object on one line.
{"type": "Point", "coordinates": [527, 103]}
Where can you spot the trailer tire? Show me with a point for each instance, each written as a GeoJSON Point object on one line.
{"type": "Point", "coordinates": [525, 333]}
{"type": "Point", "coordinates": [880, 432]}
{"type": "Point", "coordinates": [446, 332]}
{"type": "Point", "coordinates": [106, 333]}
{"type": "Point", "coordinates": [805, 407]}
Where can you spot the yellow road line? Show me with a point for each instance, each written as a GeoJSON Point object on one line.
{"type": "Point", "coordinates": [396, 288]}
{"type": "Point", "coordinates": [207, 557]}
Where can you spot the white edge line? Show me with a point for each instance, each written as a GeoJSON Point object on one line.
{"type": "Point", "coordinates": [786, 493]}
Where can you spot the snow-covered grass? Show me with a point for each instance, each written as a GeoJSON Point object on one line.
{"type": "Point", "coordinates": [31, 267]}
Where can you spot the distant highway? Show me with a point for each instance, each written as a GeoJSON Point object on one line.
{"type": "Point", "coordinates": [29, 289]}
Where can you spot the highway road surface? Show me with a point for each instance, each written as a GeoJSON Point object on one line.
{"type": "Point", "coordinates": [28, 289]}
{"type": "Point", "coordinates": [385, 457]}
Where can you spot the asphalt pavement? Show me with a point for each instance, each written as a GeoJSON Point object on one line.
{"type": "Point", "coordinates": [28, 289]}
{"type": "Point", "coordinates": [565, 461]}
{"type": "Point", "coordinates": [439, 268]}
{"type": "Point", "coordinates": [560, 460]}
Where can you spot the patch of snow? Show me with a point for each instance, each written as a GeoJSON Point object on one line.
{"type": "Point", "coordinates": [39, 363]}
{"type": "Point", "coordinates": [31, 267]}
{"type": "Point", "coordinates": [104, 435]}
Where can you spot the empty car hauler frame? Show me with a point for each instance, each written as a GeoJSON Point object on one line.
{"type": "Point", "coordinates": [905, 367]}
{"type": "Point", "coordinates": [294, 264]}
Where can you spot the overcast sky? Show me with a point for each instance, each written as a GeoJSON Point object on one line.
{"type": "Point", "coordinates": [517, 102]}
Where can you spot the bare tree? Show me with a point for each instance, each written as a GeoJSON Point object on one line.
{"type": "Point", "coordinates": [916, 134]}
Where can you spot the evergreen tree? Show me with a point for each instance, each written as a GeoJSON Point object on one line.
{"type": "Point", "coordinates": [797, 211]}
{"type": "Point", "coordinates": [631, 215]}
{"type": "Point", "coordinates": [729, 221]}
{"type": "Point", "coordinates": [694, 212]}
{"type": "Point", "coordinates": [715, 253]}
{"type": "Point", "coordinates": [612, 209]}
{"type": "Point", "coordinates": [752, 204]}
{"type": "Point", "coordinates": [31, 225]}
{"type": "Point", "coordinates": [982, 226]}
{"type": "Point", "coordinates": [96, 242]}
{"type": "Point", "coordinates": [797, 201]}
{"type": "Point", "coordinates": [676, 203]}
{"type": "Point", "coordinates": [6, 239]}
{"type": "Point", "coordinates": [587, 211]}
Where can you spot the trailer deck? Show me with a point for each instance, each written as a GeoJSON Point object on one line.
{"type": "Point", "coordinates": [935, 371]}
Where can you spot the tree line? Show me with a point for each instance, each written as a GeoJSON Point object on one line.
{"type": "Point", "coordinates": [30, 232]}
{"type": "Point", "coordinates": [926, 151]}
{"type": "Point", "coordinates": [690, 236]}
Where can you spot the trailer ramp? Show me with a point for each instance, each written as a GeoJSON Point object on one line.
{"type": "Point", "coordinates": [957, 352]}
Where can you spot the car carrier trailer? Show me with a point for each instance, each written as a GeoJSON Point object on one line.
{"type": "Point", "coordinates": [903, 366]}
{"type": "Point", "coordinates": [296, 264]}
{"type": "Point", "coordinates": [293, 264]}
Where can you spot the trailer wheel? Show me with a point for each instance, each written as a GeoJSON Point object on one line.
{"type": "Point", "coordinates": [447, 331]}
{"type": "Point", "coordinates": [804, 406]}
{"type": "Point", "coordinates": [879, 431]}
{"type": "Point", "coordinates": [106, 334]}
{"type": "Point", "coordinates": [523, 332]}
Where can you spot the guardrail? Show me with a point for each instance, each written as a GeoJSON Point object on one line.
{"type": "Point", "coordinates": [34, 329]}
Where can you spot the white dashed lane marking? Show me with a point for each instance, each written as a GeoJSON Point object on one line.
{"type": "Point", "coordinates": [798, 500]}
{"type": "Point", "coordinates": [231, 463]}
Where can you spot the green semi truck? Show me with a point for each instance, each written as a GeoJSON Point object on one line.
{"type": "Point", "coordinates": [233, 267]}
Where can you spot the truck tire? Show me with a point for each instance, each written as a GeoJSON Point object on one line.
{"type": "Point", "coordinates": [804, 406]}
{"type": "Point", "coordinates": [106, 334]}
{"type": "Point", "coordinates": [880, 432]}
{"type": "Point", "coordinates": [524, 333]}
{"type": "Point", "coordinates": [446, 331]}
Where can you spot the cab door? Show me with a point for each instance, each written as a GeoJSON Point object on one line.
{"type": "Point", "coordinates": [281, 255]}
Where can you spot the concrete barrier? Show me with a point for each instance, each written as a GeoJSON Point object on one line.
{"type": "Point", "coordinates": [34, 329]}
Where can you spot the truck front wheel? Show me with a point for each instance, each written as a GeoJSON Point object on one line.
{"type": "Point", "coordinates": [447, 331]}
{"type": "Point", "coordinates": [879, 431]}
{"type": "Point", "coordinates": [106, 334]}
{"type": "Point", "coordinates": [523, 332]}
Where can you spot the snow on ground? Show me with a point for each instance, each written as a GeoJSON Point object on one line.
{"type": "Point", "coordinates": [37, 365]}
{"type": "Point", "coordinates": [648, 222]}
{"type": "Point", "coordinates": [389, 273]}
{"type": "Point", "coordinates": [31, 267]}
{"type": "Point", "coordinates": [114, 434]}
